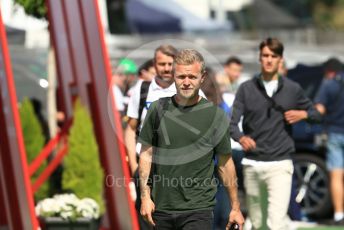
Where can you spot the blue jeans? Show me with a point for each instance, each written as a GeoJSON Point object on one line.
{"type": "Point", "coordinates": [335, 151]}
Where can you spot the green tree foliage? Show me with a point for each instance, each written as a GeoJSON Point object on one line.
{"type": "Point", "coordinates": [82, 172]}
{"type": "Point", "coordinates": [34, 142]}
{"type": "Point", "coordinates": [36, 8]}
{"type": "Point", "coordinates": [328, 14]}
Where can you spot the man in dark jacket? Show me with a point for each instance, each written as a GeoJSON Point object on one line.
{"type": "Point", "coordinates": [269, 104]}
{"type": "Point", "coordinates": [330, 102]}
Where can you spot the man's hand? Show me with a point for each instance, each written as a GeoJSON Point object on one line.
{"type": "Point", "coordinates": [321, 108]}
{"type": "Point", "coordinates": [147, 208]}
{"type": "Point", "coordinates": [293, 116]}
{"type": "Point", "coordinates": [228, 176]}
{"type": "Point", "coordinates": [247, 143]}
{"type": "Point", "coordinates": [235, 216]}
{"type": "Point", "coordinates": [147, 205]}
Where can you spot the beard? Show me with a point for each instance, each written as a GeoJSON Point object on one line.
{"type": "Point", "coordinates": [165, 78]}
{"type": "Point", "coordinates": [188, 94]}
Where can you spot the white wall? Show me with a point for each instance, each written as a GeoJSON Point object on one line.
{"type": "Point", "coordinates": [230, 5]}
{"type": "Point", "coordinates": [13, 15]}
{"type": "Point", "coordinates": [202, 8]}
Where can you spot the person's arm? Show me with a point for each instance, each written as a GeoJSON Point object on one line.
{"type": "Point", "coordinates": [228, 176]}
{"type": "Point", "coordinates": [294, 116]}
{"type": "Point", "coordinates": [246, 142]}
{"type": "Point", "coordinates": [322, 98]}
{"type": "Point", "coordinates": [130, 130]}
{"type": "Point", "coordinates": [237, 112]}
{"type": "Point", "coordinates": [130, 143]}
{"type": "Point", "coordinates": [147, 205]}
{"type": "Point", "coordinates": [305, 111]}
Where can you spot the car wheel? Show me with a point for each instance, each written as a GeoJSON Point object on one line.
{"type": "Point", "coordinates": [312, 185]}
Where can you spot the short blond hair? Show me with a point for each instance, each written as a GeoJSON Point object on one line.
{"type": "Point", "coordinates": [189, 57]}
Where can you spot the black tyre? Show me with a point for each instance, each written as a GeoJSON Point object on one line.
{"type": "Point", "coordinates": [312, 185]}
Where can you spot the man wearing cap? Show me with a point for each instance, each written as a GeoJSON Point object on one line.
{"type": "Point", "coordinates": [125, 75]}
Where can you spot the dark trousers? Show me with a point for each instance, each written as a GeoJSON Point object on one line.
{"type": "Point", "coordinates": [200, 220]}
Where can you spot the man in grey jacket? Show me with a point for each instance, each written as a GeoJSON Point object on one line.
{"type": "Point", "coordinates": [269, 104]}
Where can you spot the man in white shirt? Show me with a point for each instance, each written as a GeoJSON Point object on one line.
{"type": "Point", "coordinates": [161, 86]}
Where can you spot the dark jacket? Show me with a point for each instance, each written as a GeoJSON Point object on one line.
{"type": "Point", "coordinates": [331, 95]}
{"type": "Point", "coordinates": [263, 117]}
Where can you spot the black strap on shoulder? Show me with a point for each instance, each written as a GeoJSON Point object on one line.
{"type": "Point", "coordinates": [161, 109]}
{"type": "Point", "coordinates": [273, 103]}
{"type": "Point", "coordinates": [143, 98]}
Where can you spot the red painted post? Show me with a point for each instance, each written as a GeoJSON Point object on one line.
{"type": "Point", "coordinates": [3, 216]}
{"type": "Point", "coordinates": [14, 177]}
{"type": "Point", "coordinates": [78, 39]}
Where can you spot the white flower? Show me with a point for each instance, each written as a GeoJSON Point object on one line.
{"type": "Point", "coordinates": [67, 206]}
{"type": "Point", "coordinates": [88, 208]}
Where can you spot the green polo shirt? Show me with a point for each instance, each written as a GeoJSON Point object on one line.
{"type": "Point", "coordinates": [187, 140]}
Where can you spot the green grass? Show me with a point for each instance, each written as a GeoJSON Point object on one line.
{"type": "Point", "coordinates": [323, 228]}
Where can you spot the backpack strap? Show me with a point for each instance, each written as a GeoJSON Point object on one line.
{"type": "Point", "coordinates": [273, 103]}
{"type": "Point", "coordinates": [162, 107]}
{"type": "Point", "coordinates": [143, 98]}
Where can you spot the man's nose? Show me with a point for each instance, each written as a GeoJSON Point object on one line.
{"type": "Point", "coordinates": [186, 81]}
{"type": "Point", "coordinates": [167, 68]}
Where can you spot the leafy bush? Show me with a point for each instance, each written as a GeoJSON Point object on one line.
{"type": "Point", "coordinates": [82, 173]}
{"type": "Point", "coordinates": [34, 142]}
{"type": "Point", "coordinates": [36, 8]}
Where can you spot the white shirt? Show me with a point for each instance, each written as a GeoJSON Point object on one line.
{"type": "Point", "coordinates": [155, 92]}
{"type": "Point", "coordinates": [270, 87]}
{"type": "Point", "coordinates": [119, 98]}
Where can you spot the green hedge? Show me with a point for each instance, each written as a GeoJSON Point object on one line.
{"type": "Point", "coordinates": [34, 142]}
{"type": "Point", "coordinates": [82, 172]}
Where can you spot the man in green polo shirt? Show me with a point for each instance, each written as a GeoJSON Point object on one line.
{"type": "Point", "coordinates": [180, 138]}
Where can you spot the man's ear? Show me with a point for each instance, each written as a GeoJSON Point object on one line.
{"type": "Point", "coordinates": [203, 76]}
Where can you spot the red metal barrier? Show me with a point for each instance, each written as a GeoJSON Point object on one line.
{"type": "Point", "coordinates": [50, 168]}
{"type": "Point", "coordinates": [18, 204]}
{"type": "Point", "coordinates": [82, 60]}
{"type": "Point", "coordinates": [48, 149]}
